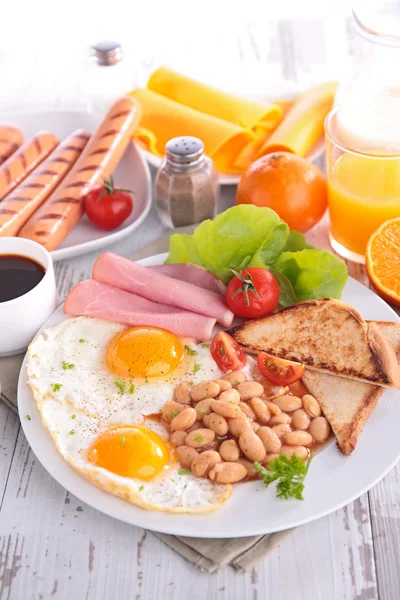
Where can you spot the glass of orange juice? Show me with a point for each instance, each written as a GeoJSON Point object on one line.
{"type": "Point", "coordinates": [363, 171]}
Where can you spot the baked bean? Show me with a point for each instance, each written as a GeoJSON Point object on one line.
{"type": "Point", "coordinates": [251, 446]}
{"type": "Point", "coordinates": [273, 408]}
{"type": "Point", "coordinates": [232, 396]}
{"type": "Point", "coordinates": [319, 429]}
{"type": "Point", "coordinates": [281, 430]}
{"type": "Point", "coordinates": [204, 462]}
{"type": "Point", "coordinates": [223, 384]}
{"type": "Point", "coordinates": [300, 451]}
{"type": "Point", "coordinates": [300, 419]}
{"type": "Point", "coordinates": [250, 389]}
{"type": "Point", "coordinates": [205, 389]}
{"type": "Point", "coordinates": [229, 451]}
{"type": "Point", "coordinates": [185, 419]}
{"type": "Point", "coordinates": [200, 438]}
{"type": "Point", "coordinates": [268, 459]}
{"type": "Point", "coordinates": [178, 438]}
{"type": "Point", "coordinates": [235, 377]}
{"type": "Point", "coordinates": [203, 408]}
{"type": "Point", "coordinates": [217, 423]}
{"type": "Point", "coordinates": [281, 419]}
{"type": "Point", "coordinates": [249, 466]}
{"type": "Point", "coordinates": [288, 403]}
{"type": "Point", "coordinates": [227, 472]}
{"type": "Point", "coordinates": [261, 409]}
{"type": "Point", "coordinates": [269, 438]}
{"type": "Point", "coordinates": [225, 408]}
{"type": "Point", "coordinates": [171, 409]}
{"type": "Point", "coordinates": [255, 426]}
{"type": "Point", "coordinates": [311, 406]}
{"type": "Point", "coordinates": [248, 411]}
{"type": "Point", "coordinates": [182, 393]}
{"type": "Point", "coordinates": [239, 425]}
{"type": "Point", "coordinates": [298, 438]}
{"type": "Point", "coordinates": [186, 456]}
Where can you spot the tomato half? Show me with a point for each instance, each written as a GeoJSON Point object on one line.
{"type": "Point", "coordinates": [227, 353]}
{"type": "Point", "coordinates": [277, 370]}
{"type": "Point", "coordinates": [252, 293]}
{"type": "Point", "coordinates": [107, 206]}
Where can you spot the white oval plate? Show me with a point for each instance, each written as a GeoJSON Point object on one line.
{"type": "Point", "coordinates": [332, 482]}
{"type": "Point", "coordinates": [132, 173]}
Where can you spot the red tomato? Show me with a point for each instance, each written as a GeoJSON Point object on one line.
{"type": "Point", "coordinates": [252, 293]}
{"type": "Point", "coordinates": [108, 206]}
{"type": "Point", "coordinates": [277, 370]}
{"type": "Point", "coordinates": [227, 353]}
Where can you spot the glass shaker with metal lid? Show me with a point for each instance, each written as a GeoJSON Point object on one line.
{"type": "Point", "coordinates": [187, 184]}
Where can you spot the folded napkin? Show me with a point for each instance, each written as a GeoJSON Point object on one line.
{"type": "Point", "coordinates": [209, 555]}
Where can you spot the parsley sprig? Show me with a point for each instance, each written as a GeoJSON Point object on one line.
{"type": "Point", "coordinates": [290, 474]}
{"type": "Point", "coordinates": [190, 350]}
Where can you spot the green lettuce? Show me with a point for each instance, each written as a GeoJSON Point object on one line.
{"type": "Point", "coordinates": [248, 235]}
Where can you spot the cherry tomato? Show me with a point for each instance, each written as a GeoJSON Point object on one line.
{"type": "Point", "coordinates": [252, 293]}
{"type": "Point", "coordinates": [277, 370]}
{"type": "Point", "coordinates": [227, 353]}
{"type": "Point", "coordinates": [108, 206]}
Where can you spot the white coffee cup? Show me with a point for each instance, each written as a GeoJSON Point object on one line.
{"type": "Point", "coordinates": [22, 317]}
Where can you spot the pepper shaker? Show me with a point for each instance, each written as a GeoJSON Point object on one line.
{"type": "Point", "coordinates": [187, 184]}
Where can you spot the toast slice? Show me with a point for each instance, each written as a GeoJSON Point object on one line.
{"type": "Point", "coordinates": [347, 404]}
{"type": "Point", "coordinates": [327, 336]}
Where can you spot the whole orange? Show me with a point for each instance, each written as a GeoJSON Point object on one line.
{"type": "Point", "coordinates": [292, 186]}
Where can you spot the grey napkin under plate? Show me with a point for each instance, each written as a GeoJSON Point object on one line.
{"type": "Point", "coordinates": [209, 555]}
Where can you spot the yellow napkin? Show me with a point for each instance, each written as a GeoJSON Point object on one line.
{"type": "Point", "coordinates": [163, 119]}
{"type": "Point", "coordinates": [303, 125]}
{"type": "Point", "coordinates": [240, 111]}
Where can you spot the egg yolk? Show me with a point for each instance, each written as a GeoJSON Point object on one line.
{"type": "Point", "coordinates": [130, 452]}
{"type": "Point", "coordinates": [144, 352]}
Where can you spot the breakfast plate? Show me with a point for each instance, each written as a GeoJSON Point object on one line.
{"type": "Point", "coordinates": [333, 481]}
{"type": "Point", "coordinates": [132, 173]}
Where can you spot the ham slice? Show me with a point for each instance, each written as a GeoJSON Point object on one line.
{"type": "Point", "coordinates": [194, 274]}
{"type": "Point", "coordinates": [93, 299]}
{"type": "Point", "coordinates": [127, 275]}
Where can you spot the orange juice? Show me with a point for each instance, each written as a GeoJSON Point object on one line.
{"type": "Point", "coordinates": [363, 193]}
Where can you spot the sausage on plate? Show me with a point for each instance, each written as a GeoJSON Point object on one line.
{"type": "Point", "coordinates": [11, 139]}
{"type": "Point", "coordinates": [24, 160]}
{"type": "Point", "coordinates": [63, 209]}
{"type": "Point", "coordinates": [18, 206]}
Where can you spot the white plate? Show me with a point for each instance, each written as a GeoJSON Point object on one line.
{"type": "Point", "coordinates": [132, 173]}
{"type": "Point", "coordinates": [333, 480]}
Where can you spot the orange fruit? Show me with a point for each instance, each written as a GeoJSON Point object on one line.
{"type": "Point", "coordinates": [290, 185]}
{"type": "Point", "coordinates": [383, 260]}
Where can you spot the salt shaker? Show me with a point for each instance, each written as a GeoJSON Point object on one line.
{"type": "Point", "coordinates": [187, 184]}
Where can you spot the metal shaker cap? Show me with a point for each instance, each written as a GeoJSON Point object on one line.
{"type": "Point", "coordinates": [106, 53]}
{"type": "Point", "coordinates": [184, 150]}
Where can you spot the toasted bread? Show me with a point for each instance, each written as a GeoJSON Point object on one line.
{"type": "Point", "coordinates": [327, 336]}
{"type": "Point", "coordinates": [347, 404]}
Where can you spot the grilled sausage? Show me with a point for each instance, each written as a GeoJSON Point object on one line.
{"type": "Point", "coordinates": [11, 139]}
{"type": "Point", "coordinates": [18, 206]}
{"type": "Point", "coordinates": [63, 209]}
{"type": "Point", "coordinates": [24, 160]}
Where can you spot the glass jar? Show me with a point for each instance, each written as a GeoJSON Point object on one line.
{"type": "Point", "coordinates": [187, 184]}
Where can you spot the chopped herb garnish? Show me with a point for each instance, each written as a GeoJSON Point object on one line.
{"type": "Point", "coordinates": [72, 432]}
{"type": "Point", "coordinates": [141, 488]}
{"type": "Point", "coordinates": [121, 385]}
{"type": "Point", "coordinates": [199, 437]}
{"type": "Point", "coordinates": [67, 366]}
{"type": "Point", "coordinates": [221, 351]}
{"type": "Point", "coordinates": [131, 387]}
{"type": "Point", "coordinates": [205, 345]}
{"type": "Point", "coordinates": [122, 440]}
{"type": "Point", "coordinates": [236, 382]}
{"type": "Point", "coordinates": [174, 413]}
{"type": "Point", "coordinates": [190, 382]}
{"type": "Point", "coordinates": [184, 472]}
{"type": "Point", "coordinates": [290, 474]}
{"type": "Point", "coordinates": [56, 386]}
{"type": "Point", "coordinates": [73, 416]}
{"type": "Point", "coordinates": [28, 417]}
{"type": "Point", "coordinates": [190, 350]}
{"type": "Point", "coordinates": [146, 380]}
{"type": "Point", "coordinates": [196, 367]}
{"type": "Point", "coordinates": [82, 341]}
{"type": "Point", "coordinates": [202, 411]}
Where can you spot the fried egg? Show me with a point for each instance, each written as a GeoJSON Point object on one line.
{"type": "Point", "coordinates": [98, 385]}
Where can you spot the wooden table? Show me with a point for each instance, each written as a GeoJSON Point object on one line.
{"type": "Point", "coordinates": [54, 546]}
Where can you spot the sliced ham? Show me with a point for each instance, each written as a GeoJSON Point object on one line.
{"type": "Point", "coordinates": [127, 275]}
{"type": "Point", "coordinates": [194, 274]}
{"type": "Point", "coordinates": [93, 299]}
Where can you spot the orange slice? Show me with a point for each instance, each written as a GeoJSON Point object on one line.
{"type": "Point", "coordinates": [383, 260]}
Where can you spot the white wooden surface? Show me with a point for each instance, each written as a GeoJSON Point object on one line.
{"type": "Point", "coordinates": [52, 545]}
